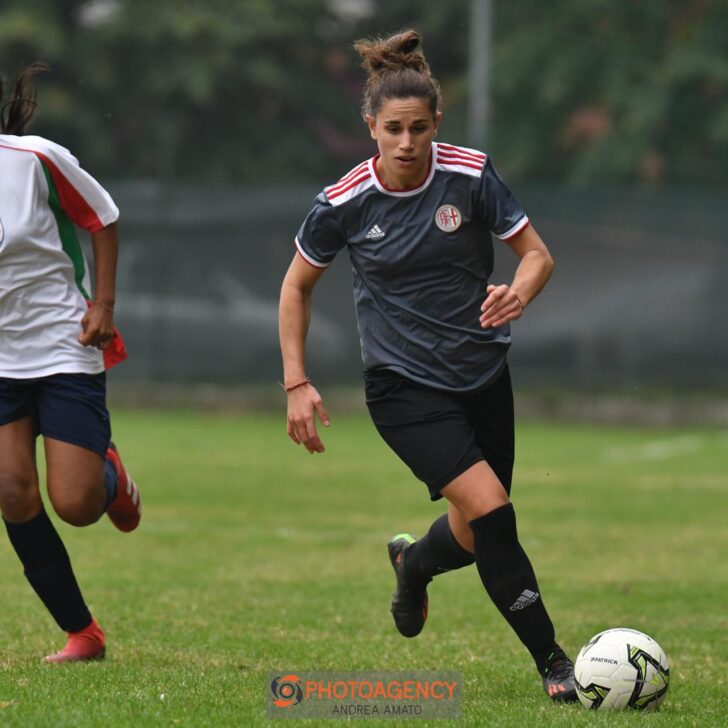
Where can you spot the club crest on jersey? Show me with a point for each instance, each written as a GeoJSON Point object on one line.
{"type": "Point", "coordinates": [448, 218]}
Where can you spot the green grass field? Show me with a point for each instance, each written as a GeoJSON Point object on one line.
{"type": "Point", "coordinates": [254, 557]}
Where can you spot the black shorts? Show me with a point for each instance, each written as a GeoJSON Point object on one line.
{"type": "Point", "coordinates": [439, 434]}
{"type": "Point", "coordinates": [66, 407]}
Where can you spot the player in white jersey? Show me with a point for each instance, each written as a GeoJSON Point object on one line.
{"type": "Point", "coordinates": [417, 221]}
{"type": "Point", "coordinates": [56, 340]}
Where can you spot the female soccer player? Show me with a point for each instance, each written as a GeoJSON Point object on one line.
{"type": "Point", "coordinates": [54, 343]}
{"type": "Point", "coordinates": [417, 220]}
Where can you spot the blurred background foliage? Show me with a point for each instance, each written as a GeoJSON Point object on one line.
{"type": "Point", "coordinates": [215, 123]}
{"type": "Point", "coordinates": [263, 91]}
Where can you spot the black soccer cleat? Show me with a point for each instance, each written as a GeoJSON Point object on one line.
{"type": "Point", "coordinates": [409, 603]}
{"type": "Point", "coordinates": [558, 678]}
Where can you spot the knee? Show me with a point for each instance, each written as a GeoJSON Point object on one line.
{"type": "Point", "coordinates": [76, 511]}
{"type": "Point", "coordinates": [483, 506]}
{"type": "Point", "coordinates": [19, 496]}
{"type": "Point", "coordinates": [476, 492]}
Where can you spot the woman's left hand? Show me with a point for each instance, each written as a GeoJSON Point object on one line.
{"type": "Point", "coordinates": [97, 327]}
{"type": "Point", "coordinates": [500, 306]}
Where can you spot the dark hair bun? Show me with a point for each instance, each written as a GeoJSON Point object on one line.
{"type": "Point", "coordinates": [396, 68]}
{"type": "Point", "coordinates": [393, 53]}
{"type": "Point", "coordinates": [410, 41]}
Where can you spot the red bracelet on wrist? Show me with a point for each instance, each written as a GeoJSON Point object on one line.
{"type": "Point", "coordinates": [103, 305]}
{"type": "Point", "coordinates": [296, 386]}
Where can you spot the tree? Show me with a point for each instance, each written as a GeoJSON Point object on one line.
{"type": "Point", "coordinates": [255, 91]}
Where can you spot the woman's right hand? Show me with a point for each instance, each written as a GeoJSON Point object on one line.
{"type": "Point", "coordinates": [303, 403]}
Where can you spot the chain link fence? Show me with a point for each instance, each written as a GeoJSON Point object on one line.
{"type": "Point", "coordinates": [638, 297]}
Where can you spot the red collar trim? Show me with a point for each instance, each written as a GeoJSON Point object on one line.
{"type": "Point", "coordinates": [407, 191]}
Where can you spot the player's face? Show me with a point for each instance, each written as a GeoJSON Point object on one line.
{"type": "Point", "coordinates": [404, 130]}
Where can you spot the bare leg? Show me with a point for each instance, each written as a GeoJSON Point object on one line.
{"type": "Point", "coordinates": [460, 528]}
{"type": "Point", "coordinates": [36, 542]}
{"type": "Point", "coordinates": [449, 545]}
{"type": "Point", "coordinates": [19, 494]}
{"type": "Point", "coordinates": [475, 493]}
{"type": "Point", "coordinates": [75, 482]}
{"type": "Point", "coordinates": [504, 568]}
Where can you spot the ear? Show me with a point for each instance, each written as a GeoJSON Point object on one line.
{"type": "Point", "coordinates": [372, 124]}
{"type": "Point", "coordinates": [438, 119]}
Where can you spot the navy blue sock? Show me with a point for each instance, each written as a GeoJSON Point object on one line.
{"type": "Point", "coordinates": [435, 553]}
{"type": "Point", "coordinates": [111, 481]}
{"type": "Point", "coordinates": [48, 569]}
{"type": "Point", "coordinates": [508, 577]}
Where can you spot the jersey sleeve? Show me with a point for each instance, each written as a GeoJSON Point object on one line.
{"type": "Point", "coordinates": [498, 206]}
{"type": "Point", "coordinates": [320, 238]}
{"type": "Point", "coordinates": [80, 196]}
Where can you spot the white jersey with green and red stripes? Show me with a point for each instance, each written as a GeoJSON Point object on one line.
{"type": "Point", "coordinates": [44, 280]}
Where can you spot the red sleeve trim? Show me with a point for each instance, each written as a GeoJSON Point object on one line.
{"type": "Point", "coordinates": [347, 178]}
{"type": "Point", "coordinates": [460, 163]}
{"type": "Point", "coordinates": [472, 153]}
{"type": "Point", "coordinates": [71, 199]}
{"type": "Point", "coordinates": [332, 195]}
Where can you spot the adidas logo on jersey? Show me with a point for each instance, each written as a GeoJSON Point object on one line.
{"type": "Point", "coordinates": [526, 599]}
{"type": "Point", "coordinates": [375, 233]}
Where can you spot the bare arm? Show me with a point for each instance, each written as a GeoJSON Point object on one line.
{"type": "Point", "coordinates": [506, 303]}
{"type": "Point", "coordinates": [97, 326]}
{"type": "Point", "coordinates": [293, 322]}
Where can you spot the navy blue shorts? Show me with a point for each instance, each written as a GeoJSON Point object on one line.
{"type": "Point", "coordinates": [440, 434]}
{"type": "Point", "coordinates": [66, 407]}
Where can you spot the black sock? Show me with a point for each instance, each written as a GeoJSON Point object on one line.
{"type": "Point", "coordinates": [48, 569]}
{"type": "Point", "coordinates": [435, 553]}
{"type": "Point", "coordinates": [508, 578]}
{"type": "Point", "coordinates": [111, 481]}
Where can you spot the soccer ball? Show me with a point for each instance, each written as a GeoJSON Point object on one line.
{"type": "Point", "coordinates": [621, 668]}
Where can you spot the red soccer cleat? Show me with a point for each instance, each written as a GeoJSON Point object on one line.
{"type": "Point", "coordinates": [86, 644]}
{"type": "Point", "coordinates": [125, 511]}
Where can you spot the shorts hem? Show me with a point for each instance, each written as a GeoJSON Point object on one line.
{"type": "Point", "coordinates": [457, 471]}
{"type": "Point", "coordinates": [79, 442]}
{"type": "Point", "coordinates": [12, 419]}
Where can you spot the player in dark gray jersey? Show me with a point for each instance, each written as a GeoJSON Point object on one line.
{"type": "Point", "coordinates": [417, 221]}
{"type": "Point", "coordinates": [421, 263]}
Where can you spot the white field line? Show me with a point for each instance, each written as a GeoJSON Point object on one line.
{"type": "Point", "coordinates": [655, 450]}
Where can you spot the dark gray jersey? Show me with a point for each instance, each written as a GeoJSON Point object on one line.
{"type": "Point", "coordinates": [421, 261]}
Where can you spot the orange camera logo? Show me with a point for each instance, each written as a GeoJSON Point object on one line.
{"type": "Point", "coordinates": [287, 691]}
